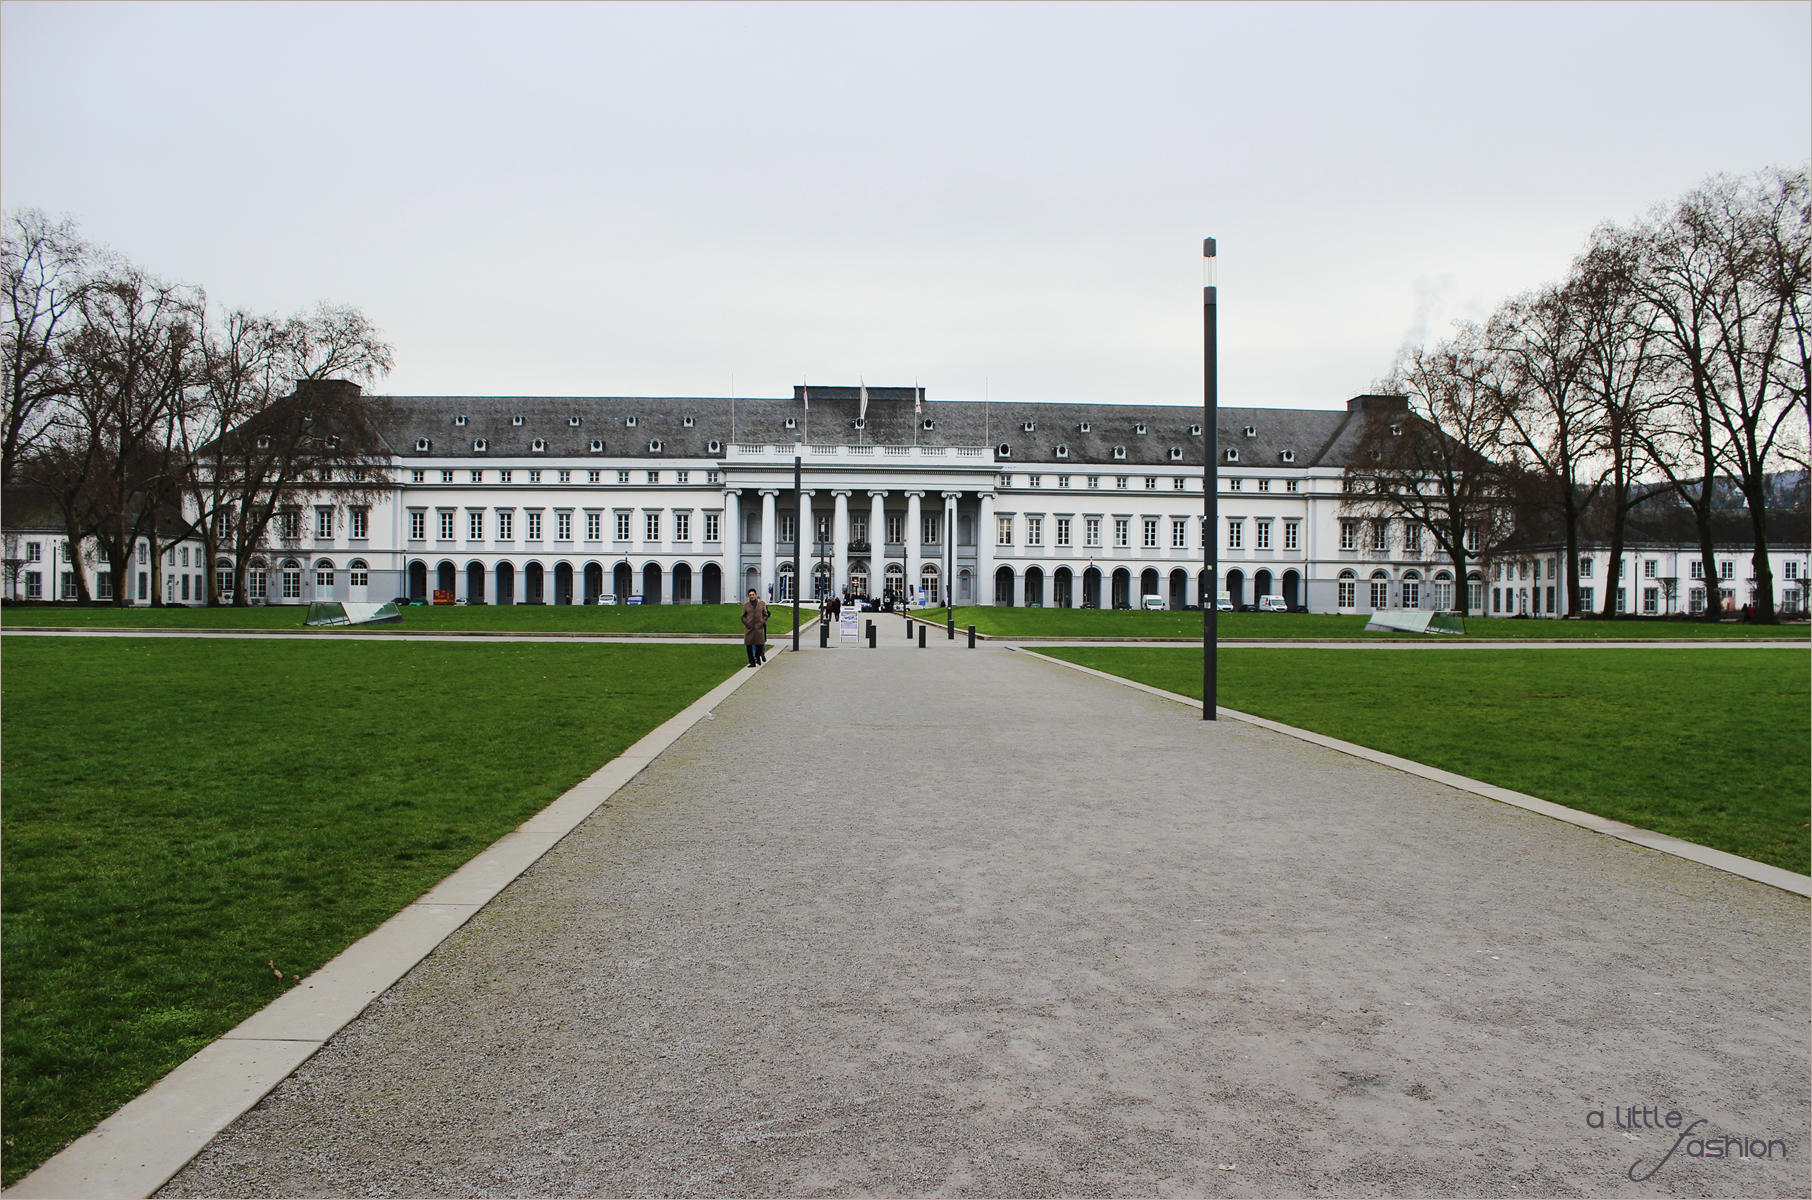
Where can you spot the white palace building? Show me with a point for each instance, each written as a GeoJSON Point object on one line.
{"type": "Point", "coordinates": [563, 500]}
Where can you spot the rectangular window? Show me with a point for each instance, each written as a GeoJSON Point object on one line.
{"type": "Point", "coordinates": [1120, 482]}
{"type": "Point", "coordinates": [712, 479]}
{"type": "Point", "coordinates": [292, 584]}
{"type": "Point", "coordinates": [1585, 599]}
{"type": "Point", "coordinates": [1122, 531]}
{"type": "Point", "coordinates": [1380, 593]}
{"type": "Point", "coordinates": [1063, 531]}
{"type": "Point", "coordinates": [289, 525]}
{"type": "Point", "coordinates": [360, 523]}
{"type": "Point", "coordinates": [533, 527]}
{"type": "Point", "coordinates": [34, 552]}
{"type": "Point", "coordinates": [1726, 570]}
{"type": "Point", "coordinates": [1236, 533]}
{"type": "Point", "coordinates": [622, 526]}
{"type": "Point", "coordinates": [1380, 534]}
{"type": "Point", "coordinates": [1003, 531]}
{"type": "Point", "coordinates": [534, 477]}
{"type": "Point", "coordinates": [933, 523]}
{"type": "Point", "coordinates": [103, 585]}
{"type": "Point", "coordinates": [34, 585]}
{"type": "Point", "coordinates": [1034, 531]}
{"type": "Point", "coordinates": [324, 579]}
{"type": "Point", "coordinates": [1585, 567]}
{"type": "Point", "coordinates": [358, 577]}
{"type": "Point", "coordinates": [1034, 481]}
{"type": "Point", "coordinates": [1292, 535]}
{"type": "Point", "coordinates": [1233, 485]}
{"type": "Point", "coordinates": [622, 476]}
{"type": "Point", "coordinates": [1649, 567]}
{"type": "Point", "coordinates": [1094, 481]}
{"type": "Point", "coordinates": [594, 477]}
{"type": "Point", "coordinates": [1345, 598]}
{"type": "Point", "coordinates": [477, 476]}
{"type": "Point", "coordinates": [1262, 535]}
{"type": "Point", "coordinates": [1789, 570]}
{"type": "Point", "coordinates": [651, 527]}
{"type": "Point", "coordinates": [1412, 594]}
{"type": "Point", "coordinates": [1151, 483]}
{"type": "Point", "coordinates": [446, 477]}
{"type": "Point", "coordinates": [594, 527]}
{"type": "Point", "coordinates": [1179, 484]}
{"type": "Point", "coordinates": [654, 477]}
{"type": "Point", "coordinates": [446, 526]}
{"type": "Point", "coordinates": [1149, 533]}
{"type": "Point", "coordinates": [682, 476]}
{"type": "Point", "coordinates": [418, 526]}
{"type": "Point", "coordinates": [1620, 607]}
{"type": "Point", "coordinates": [1264, 485]}
{"type": "Point", "coordinates": [1179, 534]}
{"type": "Point", "coordinates": [713, 524]}
{"type": "Point", "coordinates": [784, 528]}
{"type": "Point", "coordinates": [505, 476]}
{"type": "Point", "coordinates": [563, 527]}
{"type": "Point", "coordinates": [1697, 568]}
{"type": "Point", "coordinates": [254, 583]}
{"type": "Point", "coordinates": [1063, 481]}
{"type": "Point", "coordinates": [69, 592]}
{"type": "Point", "coordinates": [475, 526]}
{"type": "Point", "coordinates": [1697, 599]}
{"type": "Point", "coordinates": [1290, 485]}
{"type": "Point", "coordinates": [564, 477]}
{"type": "Point", "coordinates": [1091, 530]}
{"type": "Point", "coordinates": [682, 527]}
{"type": "Point", "coordinates": [896, 529]}
{"type": "Point", "coordinates": [418, 477]}
{"type": "Point", "coordinates": [1412, 537]}
{"type": "Point", "coordinates": [824, 527]}
{"type": "Point", "coordinates": [1651, 601]}
{"type": "Point", "coordinates": [506, 520]}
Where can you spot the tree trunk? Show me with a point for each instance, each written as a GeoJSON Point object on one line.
{"type": "Point", "coordinates": [1754, 493]}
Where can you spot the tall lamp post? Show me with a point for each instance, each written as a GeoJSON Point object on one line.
{"type": "Point", "coordinates": [1211, 637]}
{"type": "Point", "coordinates": [798, 533]}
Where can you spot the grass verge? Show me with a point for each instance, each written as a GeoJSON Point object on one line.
{"type": "Point", "coordinates": [1706, 745]}
{"type": "Point", "coordinates": [722, 619]}
{"type": "Point", "coordinates": [1110, 623]}
{"type": "Point", "coordinates": [178, 815]}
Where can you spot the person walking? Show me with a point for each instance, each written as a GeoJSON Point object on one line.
{"type": "Point", "coordinates": [755, 629]}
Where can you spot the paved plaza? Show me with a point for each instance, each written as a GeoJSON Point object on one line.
{"type": "Point", "coordinates": [954, 922]}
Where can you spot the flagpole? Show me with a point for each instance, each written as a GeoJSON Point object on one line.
{"type": "Point", "coordinates": [1211, 399]}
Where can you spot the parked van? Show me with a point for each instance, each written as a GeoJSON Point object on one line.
{"type": "Point", "coordinates": [1223, 602]}
{"type": "Point", "coordinates": [1148, 603]}
{"type": "Point", "coordinates": [1272, 604]}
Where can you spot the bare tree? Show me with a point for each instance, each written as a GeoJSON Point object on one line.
{"type": "Point", "coordinates": [1438, 460]}
{"type": "Point", "coordinates": [46, 266]}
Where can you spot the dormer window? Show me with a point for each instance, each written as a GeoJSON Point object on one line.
{"type": "Point", "coordinates": [1139, 428]}
{"type": "Point", "coordinates": [1029, 426]}
{"type": "Point", "coordinates": [517, 420]}
{"type": "Point", "coordinates": [264, 443]}
{"type": "Point", "coordinates": [714, 446]}
{"type": "Point", "coordinates": [792, 422]}
{"type": "Point", "coordinates": [421, 445]}
{"type": "Point", "coordinates": [1176, 454]}
{"type": "Point", "coordinates": [1251, 431]}
{"type": "Point", "coordinates": [654, 446]}
{"type": "Point", "coordinates": [459, 420]}
{"type": "Point", "coordinates": [1085, 427]}
{"type": "Point", "coordinates": [628, 422]}
{"type": "Point", "coordinates": [1230, 455]}
{"type": "Point", "coordinates": [1288, 456]}
{"type": "Point", "coordinates": [333, 443]}
{"type": "Point", "coordinates": [929, 424]}
{"type": "Point", "coordinates": [479, 445]}
{"type": "Point", "coordinates": [1119, 451]}
{"type": "Point", "coordinates": [1004, 451]}
{"type": "Point", "coordinates": [597, 445]}
{"type": "Point", "coordinates": [688, 422]}
{"type": "Point", "coordinates": [861, 422]}
{"type": "Point", "coordinates": [1063, 452]}
{"type": "Point", "coordinates": [573, 421]}
{"type": "Point", "coordinates": [538, 445]}
{"type": "Point", "coordinates": [1195, 431]}
{"type": "Point", "coordinates": [1396, 430]}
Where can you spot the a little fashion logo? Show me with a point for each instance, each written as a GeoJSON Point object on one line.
{"type": "Point", "coordinates": [1696, 1145]}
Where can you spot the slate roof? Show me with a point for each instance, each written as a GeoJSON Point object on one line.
{"type": "Point", "coordinates": [1315, 437]}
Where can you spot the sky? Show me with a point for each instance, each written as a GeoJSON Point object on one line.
{"type": "Point", "coordinates": [1000, 200]}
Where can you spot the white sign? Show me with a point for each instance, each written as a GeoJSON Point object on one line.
{"type": "Point", "coordinates": [846, 624]}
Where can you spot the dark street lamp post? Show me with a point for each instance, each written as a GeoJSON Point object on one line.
{"type": "Point", "coordinates": [798, 533]}
{"type": "Point", "coordinates": [1210, 485]}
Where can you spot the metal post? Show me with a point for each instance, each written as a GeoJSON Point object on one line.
{"type": "Point", "coordinates": [871, 635]}
{"type": "Point", "coordinates": [1211, 474]}
{"type": "Point", "coordinates": [909, 629]}
{"type": "Point", "coordinates": [971, 637]}
{"type": "Point", "coordinates": [798, 533]}
{"type": "Point", "coordinates": [823, 633]}
{"type": "Point", "coordinates": [921, 635]}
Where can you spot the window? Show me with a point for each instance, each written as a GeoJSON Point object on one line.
{"type": "Point", "coordinates": [1151, 483]}
{"type": "Point", "coordinates": [1003, 531]}
{"type": "Point", "coordinates": [1120, 482]}
{"type": "Point", "coordinates": [563, 477]}
{"type": "Point", "coordinates": [292, 583]}
{"type": "Point", "coordinates": [1380, 534]}
{"type": "Point", "coordinates": [622, 527]}
{"type": "Point", "coordinates": [144, 553]}
{"type": "Point", "coordinates": [594, 477]}
{"type": "Point", "coordinates": [651, 527]}
{"type": "Point", "coordinates": [824, 527]}
{"type": "Point", "coordinates": [1262, 535]}
{"type": "Point", "coordinates": [933, 523]}
{"type": "Point", "coordinates": [622, 476]}
{"type": "Point", "coordinates": [1698, 570]}
{"type": "Point", "coordinates": [1585, 567]}
{"type": "Point", "coordinates": [1380, 593]}
{"type": "Point", "coordinates": [1727, 570]}
{"type": "Point", "coordinates": [1034, 531]}
{"type": "Point", "coordinates": [504, 476]}
{"type": "Point", "coordinates": [594, 527]}
{"type": "Point", "coordinates": [477, 476]}
{"type": "Point", "coordinates": [418, 526]}
{"type": "Point", "coordinates": [712, 478]}
{"type": "Point", "coordinates": [1063, 481]}
{"type": "Point", "coordinates": [1651, 601]}
{"type": "Point", "coordinates": [359, 522]}
{"type": "Point", "coordinates": [1034, 481]}
{"type": "Point", "coordinates": [1620, 607]}
{"type": "Point", "coordinates": [324, 579]}
{"type": "Point", "coordinates": [34, 585]}
{"type": "Point", "coordinates": [1649, 567]}
{"type": "Point", "coordinates": [103, 585]}
{"type": "Point", "coordinates": [1789, 569]}
{"type": "Point", "coordinates": [654, 477]}
{"type": "Point", "coordinates": [1149, 534]}
{"type": "Point", "coordinates": [475, 525]}
{"type": "Point", "coordinates": [1122, 531]}
{"type": "Point", "coordinates": [1472, 539]}
{"type": "Point", "coordinates": [563, 527]}
{"type": "Point", "coordinates": [1696, 598]}
{"type": "Point", "coordinates": [1348, 585]}
{"type": "Point", "coordinates": [1264, 485]}
{"type": "Point", "coordinates": [1179, 534]}
{"type": "Point", "coordinates": [1236, 533]}
{"type": "Point", "coordinates": [446, 477]}
{"type": "Point", "coordinates": [254, 583]}
{"type": "Point", "coordinates": [533, 527]}
{"type": "Point", "coordinates": [1412, 537]}
{"type": "Point", "coordinates": [506, 521]}
{"type": "Point", "coordinates": [1234, 485]}
{"type": "Point", "coordinates": [34, 552]}
{"type": "Point", "coordinates": [534, 477]}
{"type": "Point", "coordinates": [289, 525]}
{"type": "Point", "coordinates": [416, 477]}
{"type": "Point", "coordinates": [713, 527]}
{"type": "Point", "coordinates": [896, 529]}
{"type": "Point", "coordinates": [358, 574]}
{"type": "Point", "coordinates": [783, 529]}
{"type": "Point", "coordinates": [446, 525]}
{"type": "Point", "coordinates": [1290, 485]}
{"type": "Point", "coordinates": [682, 476]}
{"type": "Point", "coordinates": [1091, 530]}
{"type": "Point", "coordinates": [1585, 599]}
{"type": "Point", "coordinates": [1006, 481]}
{"type": "Point", "coordinates": [1292, 535]}
{"type": "Point", "coordinates": [1063, 531]}
{"type": "Point", "coordinates": [682, 526]}
{"type": "Point", "coordinates": [1094, 481]}
{"type": "Point", "coordinates": [1412, 593]}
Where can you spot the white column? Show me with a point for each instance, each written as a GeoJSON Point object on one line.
{"type": "Point", "coordinates": [769, 534]}
{"type": "Point", "coordinates": [877, 543]}
{"type": "Point", "coordinates": [732, 553]}
{"type": "Point", "coordinates": [912, 542]}
{"type": "Point", "coordinates": [804, 544]}
{"type": "Point", "coordinates": [840, 543]}
{"type": "Point", "coordinates": [948, 572]}
{"type": "Point", "coordinates": [984, 551]}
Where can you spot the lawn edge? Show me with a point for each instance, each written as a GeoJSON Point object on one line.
{"type": "Point", "coordinates": [140, 1146]}
{"type": "Point", "coordinates": [1735, 864]}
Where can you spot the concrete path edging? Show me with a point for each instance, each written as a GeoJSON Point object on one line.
{"type": "Point", "coordinates": [1748, 868]}
{"type": "Point", "coordinates": [136, 1149]}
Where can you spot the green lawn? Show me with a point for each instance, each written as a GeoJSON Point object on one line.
{"type": "Point", "coordinates": [1124, 623]}
{"type": "Point", "coordinates": [179, 814]}
{"type": "Point", "coordinates": [1706, 745]}
{"type": "Point", "coordinates": [725, 619]}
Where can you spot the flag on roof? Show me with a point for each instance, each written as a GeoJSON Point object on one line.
{"type": "Point", "coordinates": [806, 392]}
{"type": "Point", "coordinates": [917, 394]}
{"type": "Point", "coordinates": [862, 394]}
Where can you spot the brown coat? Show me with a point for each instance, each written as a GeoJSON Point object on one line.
{"type": "Point", "coordinates": [754, 623]}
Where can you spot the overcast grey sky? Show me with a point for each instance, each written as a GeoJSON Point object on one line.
{"type": "Point", "coordinates": [645, 199]}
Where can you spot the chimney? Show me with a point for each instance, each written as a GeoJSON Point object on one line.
{"type": "Point", "coordinates": [1378, 404]}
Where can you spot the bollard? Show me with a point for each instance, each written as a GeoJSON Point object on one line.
{"type": "Point", "coordinates": [971, 637]}
{"type": "Point", "coordinates": [823, 634]}
{"type": "Point", "coordinates": [950, 624]}
{"type": "Point", "coordinates": [909, 629]}
{"type": "Point", "coordinates": [871, 635]}
{"type": "Point", "coordinates": [921, 635]}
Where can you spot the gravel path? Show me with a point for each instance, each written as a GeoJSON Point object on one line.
{"type": "Point", "coordinates": [947, 922]}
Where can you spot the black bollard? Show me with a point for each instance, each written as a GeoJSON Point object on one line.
{"type": "Point", "coordinates": [921, 635]}
{"type": "Point", "coordinates": [871, 635]}
{"type": "Point", "coordinates": [950, 624]}
{"type": "Point", "coordinates": [971, 637]}
{"type": "Point", "coordinates": [909, 629]}
{"type": "Point", "coordinates": [823, 633]}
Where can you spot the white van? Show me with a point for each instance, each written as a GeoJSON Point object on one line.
{"type": "Point", "coordinates": [1223, 602]}
{"type": "Point", "coordinates": [1148, 603]}
{"type": "Point", "coordinates": [1272, 604]}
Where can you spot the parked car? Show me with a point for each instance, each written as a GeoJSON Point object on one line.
{"type": "Point", "coordinates": [1272, 604]}
{"type": "Point", "coordinates": [607, 598]}
{"type": "Point", "coordinates": [1223, 603]}
{"type": "Point", "coordinates": [1151, 603]}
